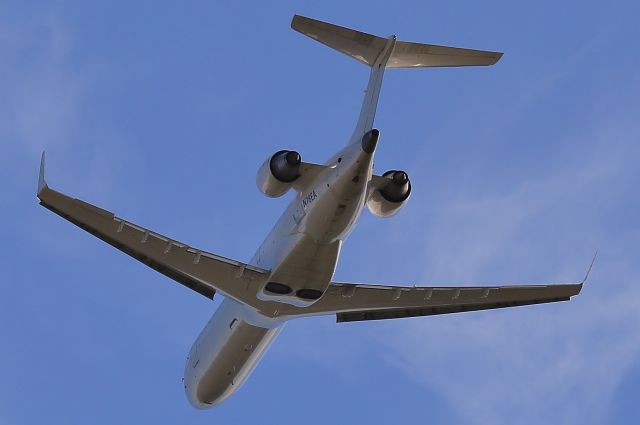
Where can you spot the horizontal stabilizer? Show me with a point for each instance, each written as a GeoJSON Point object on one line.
{"type": "Point", "coordinates": [416, 55]}
{"type": "Point", "coordinates": [366, 48]}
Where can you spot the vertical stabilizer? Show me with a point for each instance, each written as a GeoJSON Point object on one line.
{"type": "Point", "coordinates": [372, 93]}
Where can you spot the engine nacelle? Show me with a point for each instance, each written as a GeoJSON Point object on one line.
{"type": "Point", "coordinates": [277, 174]}
{"type": "Point", "coordinates": [389, 193]}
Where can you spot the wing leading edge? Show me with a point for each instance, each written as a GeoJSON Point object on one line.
{"type": "Point", "coordinates": [198, 270]}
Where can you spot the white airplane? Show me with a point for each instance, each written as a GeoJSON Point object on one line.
{"type": "Point", "coordinates": [290, 275]}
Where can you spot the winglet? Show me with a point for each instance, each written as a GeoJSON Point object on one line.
{"type": "Point", "coordinates": [586, 276]}
{"type": "Point", "coordinates": [42, 184]}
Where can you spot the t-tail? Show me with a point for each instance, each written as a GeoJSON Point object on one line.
{"type": "Point", "coordinates": [380, 53]}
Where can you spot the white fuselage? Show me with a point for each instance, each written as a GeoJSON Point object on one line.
{"type": "Point", "coordinates": [301, 251]}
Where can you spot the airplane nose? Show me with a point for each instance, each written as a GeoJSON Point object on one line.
{"type": "Point", "coordinates": [206, 397]}
{"type": "Point", "coordinates": [213, 394]}
{"type": "Point", "coordinates": [210, 389]}
{"type": "Point", "coordinates": [204, 392]}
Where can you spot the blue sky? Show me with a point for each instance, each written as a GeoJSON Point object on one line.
{"type": "Point", "coordinates": [162, 113]}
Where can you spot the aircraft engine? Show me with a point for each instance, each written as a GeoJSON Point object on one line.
{"type": "Point", "coordinates": [389, 193]}
{"type": "Point", "coordinates": [278, 172]}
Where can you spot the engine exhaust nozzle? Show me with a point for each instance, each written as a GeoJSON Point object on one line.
{"type": "Point", "coordinates": [370, 140]}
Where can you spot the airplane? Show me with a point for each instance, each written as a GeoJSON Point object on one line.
{"type": "Point", "coordinates": [290, 275]}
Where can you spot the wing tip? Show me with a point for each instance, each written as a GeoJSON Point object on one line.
{"type": "Point", "coordinates": [593, 260]}
{"type": "Point", "coordinates": [294, 20]}
{"type": "Point", "coordinates": [42, 183]}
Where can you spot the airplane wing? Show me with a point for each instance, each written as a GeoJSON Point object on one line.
{"type": "Point", "coordinates": [357, 302]}
{"type": "Point", "coordinates": [199, 270]}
